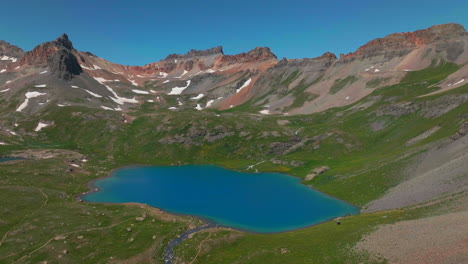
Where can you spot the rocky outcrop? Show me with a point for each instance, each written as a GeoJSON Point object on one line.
{"type": "Point", "coordinates": [6, 49]}
{"type": "Point", "coordinates": [398, 109]}
{"type": "Point", "coordinates": [255, 55]}
{"type": "Point", "coordinates": [461, 132]}
{"type": "Point", "coordinates": [64, 64]}
{"type": "Point", "coordinates": [197, 53]}
{"type": "Point", "coordinates": [408, 40]}
{"type": "Point", "coordinates": [315, 172]}
{"type": "Point", "coordinates": [41, 53]}
{"type": "Point", "coordinates": [323, 61]}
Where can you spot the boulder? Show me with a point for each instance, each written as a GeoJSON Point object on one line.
{"type": "Point", "coordinates": [315, 172]}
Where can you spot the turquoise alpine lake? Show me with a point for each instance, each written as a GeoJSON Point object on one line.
{"type": "Point", "coordinates": [255, 202]}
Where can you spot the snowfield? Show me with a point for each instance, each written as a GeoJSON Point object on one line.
{"type": "Point", "coordinates": [28, 95]}
{"type": "Point", "coordinates": [179, 90]}
{"type": "Point", "coordinates": [209, 103]}
{"type": "Point", "coordinates": [244, 85]}
{"type": "Point", "coordinates": [140, 92]}
{"type": "Point", "coordinates": [5, 58]}
{"type": "Point", "coordinates": [41, 126]}
{"type": "Point", "coordinates": [461, 81]}
{"type": "Point", "coordinates": [200, 96]}
{"type": "Point", "coordinates": [116, 98]}
{"type": "Point", "coordinates": [93, 94]}
{"type": "Point", "coordinates": [185, 72]}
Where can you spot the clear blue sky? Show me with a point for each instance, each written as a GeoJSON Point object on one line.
{"type": "Point", "coordinates": [142, 31]}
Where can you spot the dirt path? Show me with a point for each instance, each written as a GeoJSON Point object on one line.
{"type": "Point", "coordinates": [200, 248]}
{"type": "Point", "coordinates": [437, 239]}
{"type": "Point", "coordinates": [26, 216]}
{"type": "Point", "coordinates": [169, 255]}
{"type": "Point", "coordinates": [69, 233]}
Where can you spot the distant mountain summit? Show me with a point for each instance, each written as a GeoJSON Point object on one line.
{"type": "Point", "coordinates": [409, 40]}
{"type": "Point", "coordinates": [204, 79]}
{"type": "Point", "coordinates": [197, 53]}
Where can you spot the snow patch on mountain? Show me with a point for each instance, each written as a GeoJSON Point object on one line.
{"type": "Point", "coordinates": [40, 126]}
{"type": "Point", "coordinates": [179, 90]}
{"type": "Point", "coordinates": [244, 85]}
{"type": "Point", "coordinates": [185, 72]}
{"type": "Point", "coordinates": [200, 96]}
{"type": "Point", "coordinates": [28, 95]}
{"type": "Point", "coordinates": [140, 91]}
{"type": "Point", "coordinates": [120, 100]}
{"type": "Point", "coordinates": [461, 81]}
{"type": "Point", "coordinates": [93, 94]}
{"type": "Point", "coordinates": [209, 103]}
{"type": "Point", "coordinates": [5, 58]}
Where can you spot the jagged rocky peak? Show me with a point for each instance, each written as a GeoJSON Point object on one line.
{"type": "Point", "coordinates": [409, 40]}
{"type": "Point", "coordinates": [8, 50]}
{"type": "Point", "coordinates": [261, 53]}
{"type": "Point", "coordinates": [41, 53]}
{"type": "Point", "coordinates": [325, 59]}
{"type": "Point", "coordinates": [64, 64]}
{"type": "Point", "coordinates": [327, 55]}
{"type": "Point", "coordinates": [197, 53]}
{"type": "Point", "coordinates": [63, 41]}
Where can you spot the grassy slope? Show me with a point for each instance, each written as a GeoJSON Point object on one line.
{"type": "Point", "coordinates": [362, 168]}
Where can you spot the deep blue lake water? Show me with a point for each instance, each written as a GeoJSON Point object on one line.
{"type": "Point", "coordinates": [257, 202]}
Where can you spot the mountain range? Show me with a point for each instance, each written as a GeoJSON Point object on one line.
{"type": "Point", "coordinates": [384, 128]}
{"type": "Point", "coordinates": [210, 79]}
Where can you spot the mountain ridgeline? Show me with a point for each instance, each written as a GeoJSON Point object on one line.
{"type": "Point", "coordinates": [384, 128]}
{"type": "Point", "coordinates": [255, 81]}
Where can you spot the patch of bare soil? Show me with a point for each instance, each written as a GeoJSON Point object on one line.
{"type": "Point", "coordinates": [47, 154]}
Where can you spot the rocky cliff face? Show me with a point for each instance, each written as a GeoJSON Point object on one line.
{"type": "Point", "coordinates": [57, 55]}
{"type": "Point", "coordinates": [11, 51]}
{"type": "Point", "coordinates": [408, 40]}
{"type": "Point", "coordinates": [64, 64]}
{"type": "Point", "coordinates": [197, 53]}
{"type": "Point", "coordinates": [41, 53]}
{"type": "Point", "coordinates": [256, 55]}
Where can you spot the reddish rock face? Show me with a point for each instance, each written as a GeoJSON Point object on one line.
{"type": "Point", "coordinates": [408, 40]}
{"type": "Point", "coordinates": [327, 56]}
{"type": "Point", "coordinates": [257, 54]}
{"type": "Point", "coordinates": [41, 52]}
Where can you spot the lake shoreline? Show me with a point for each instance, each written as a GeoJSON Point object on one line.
{"type": "Point", "coordinates": [93, 189]}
